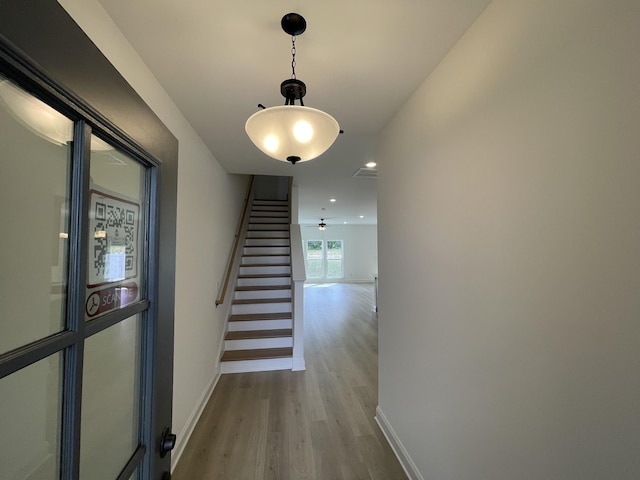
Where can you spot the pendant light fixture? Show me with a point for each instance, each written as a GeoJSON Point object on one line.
{"type": "Point", "coordinates": [322, 226]}
{"type": "Point", "coordinates": [292, 133]}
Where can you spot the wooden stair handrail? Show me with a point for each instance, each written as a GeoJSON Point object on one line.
{"type": "Point", "coordinates": [236, 241]}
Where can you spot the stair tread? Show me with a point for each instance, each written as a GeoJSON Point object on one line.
{"type": "Point", "coordinates": [250, 301]}
{"type": "Point", "coordinates": [256, 354]}
{"type": "Point", "coordinates": [267, 238]}
{"type": "Point", "coordinates": [265, 275]}
{"type": "Point", "coordinates": [254, 334]}
{"type": "Point", "coordinates": [262, 287]}
{"type": "Point", "coordinates": [247, 317]}
{"type": "Point", "coordinates": [265, 265]}
{"type": "Point", "coordinates": [286, 254]}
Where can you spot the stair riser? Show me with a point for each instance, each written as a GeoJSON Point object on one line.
{"type": "Point", "coordinates": [269, 226]}
{"type": "Point", "coordinates": [263, 282]}
{"type": "Point", "coordinates": [267, 213]}
{"type": "Point", "coordinates": [267, 242]}
{"type": "Point", "coordinates": [269, 270]}
{"type": "Point", "coordinates": [266, 259]}
{"type": "Point", "coordinates": [259, 294]}
{"type": "Point", "coordinates": [260, 308]}
{"type": "Point", "coordinates": [268, 234]}
{"type": "Point", "coordinates": [266, 250]}
{"type": "Point", "coordinates": [259, 201]}
{"type": "Point", "coordinates": [248, 344]}
{"type": "Point", "coordinates": [260, 325]}
{"type": "Point", "coordinates": [270, 209]}
{"type": "Point", "coordinates": [245, 366]}
{"type": "Point", "coordinates": [276, 220]}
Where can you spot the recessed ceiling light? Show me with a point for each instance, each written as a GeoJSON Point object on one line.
{"type": "Point", "coordinates": [344, 223]}
{"type": "Point", "coordinates": [361, 216]}
{"type": "Point", "coordinates": [332, 200]}
{"type": "Point", "coordinates": [370, 164]}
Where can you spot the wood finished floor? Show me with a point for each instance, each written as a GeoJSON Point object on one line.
{"type": "Point", "coordinates": [313, 425]}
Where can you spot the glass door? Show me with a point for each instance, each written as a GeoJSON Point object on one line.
{"type": "Point", "coordinates": [77, 316]}
{"type": "Point", "coordinates": [115, 308]}
{"type": "Point", "coordinates": [324, 259]}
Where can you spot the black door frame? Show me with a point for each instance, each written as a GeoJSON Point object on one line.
{"type": "Point", "coordinates": [43, 48]}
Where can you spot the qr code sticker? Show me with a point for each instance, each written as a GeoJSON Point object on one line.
{"type": "Point", "coordinates": [113, 239]}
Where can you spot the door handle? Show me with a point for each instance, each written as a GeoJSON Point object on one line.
{"type": "Point", "coordinates": [167, 442]}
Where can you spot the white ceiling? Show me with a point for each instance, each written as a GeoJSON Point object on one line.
{"type": "Point", "coordinates": [361, 61]}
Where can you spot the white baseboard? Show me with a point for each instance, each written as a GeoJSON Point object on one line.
{"type": "Point", "coordinates": [396, 445]}
{"type": "Point", "coordinates": [185, 434]}
{"type": "Point", "coordinates": [298, 364]}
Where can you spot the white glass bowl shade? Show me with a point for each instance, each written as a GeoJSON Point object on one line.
{"type": "Point", "coordinates": [290, 131]}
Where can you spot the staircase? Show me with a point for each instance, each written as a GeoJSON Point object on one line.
{"type": "Point", "coordinates": [260, 327]}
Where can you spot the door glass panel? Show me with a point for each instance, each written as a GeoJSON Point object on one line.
{"type": "Point", "coordinates": [335, 258]}
{"type": "Point", "coordinates": [314, 258]}
{"type": "Point", "coordinates": [110, 400]}
{"type": "Point", "coordinates": [116, 230]}
{"type": "Point", "coordinates": [30, 419]}
{"type": "Point", "coordinates": [34, 193]}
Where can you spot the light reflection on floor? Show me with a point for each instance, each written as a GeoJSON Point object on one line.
{"type": "Point", "coordinates": [318, 285]}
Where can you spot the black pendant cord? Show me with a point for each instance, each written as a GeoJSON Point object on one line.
{"type": "Point", "coordinates": [293, 89]}
{"type": "Point", "coordinates": [293, 56]}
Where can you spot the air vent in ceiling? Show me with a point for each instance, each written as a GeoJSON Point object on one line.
{"type": "Point", "coordinates": [366, 173]}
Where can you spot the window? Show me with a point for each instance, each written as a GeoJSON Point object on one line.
{"type": "Point", "coordinates": [314, 259]}
{"type": "Point", "coordinates": [324, 259]}
{"type": "Point", "coordinates": [334, 259]}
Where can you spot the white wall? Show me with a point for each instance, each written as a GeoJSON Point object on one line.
{"type": "Point", "coordinates": [509, 220]}
{"type": "Point", "coordinates": [209, 203]}
{"type": "Point", "coordinates": [360, 243]}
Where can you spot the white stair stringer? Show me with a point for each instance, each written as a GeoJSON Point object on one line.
{"type": "Point", "coordinates": [259, 332]}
